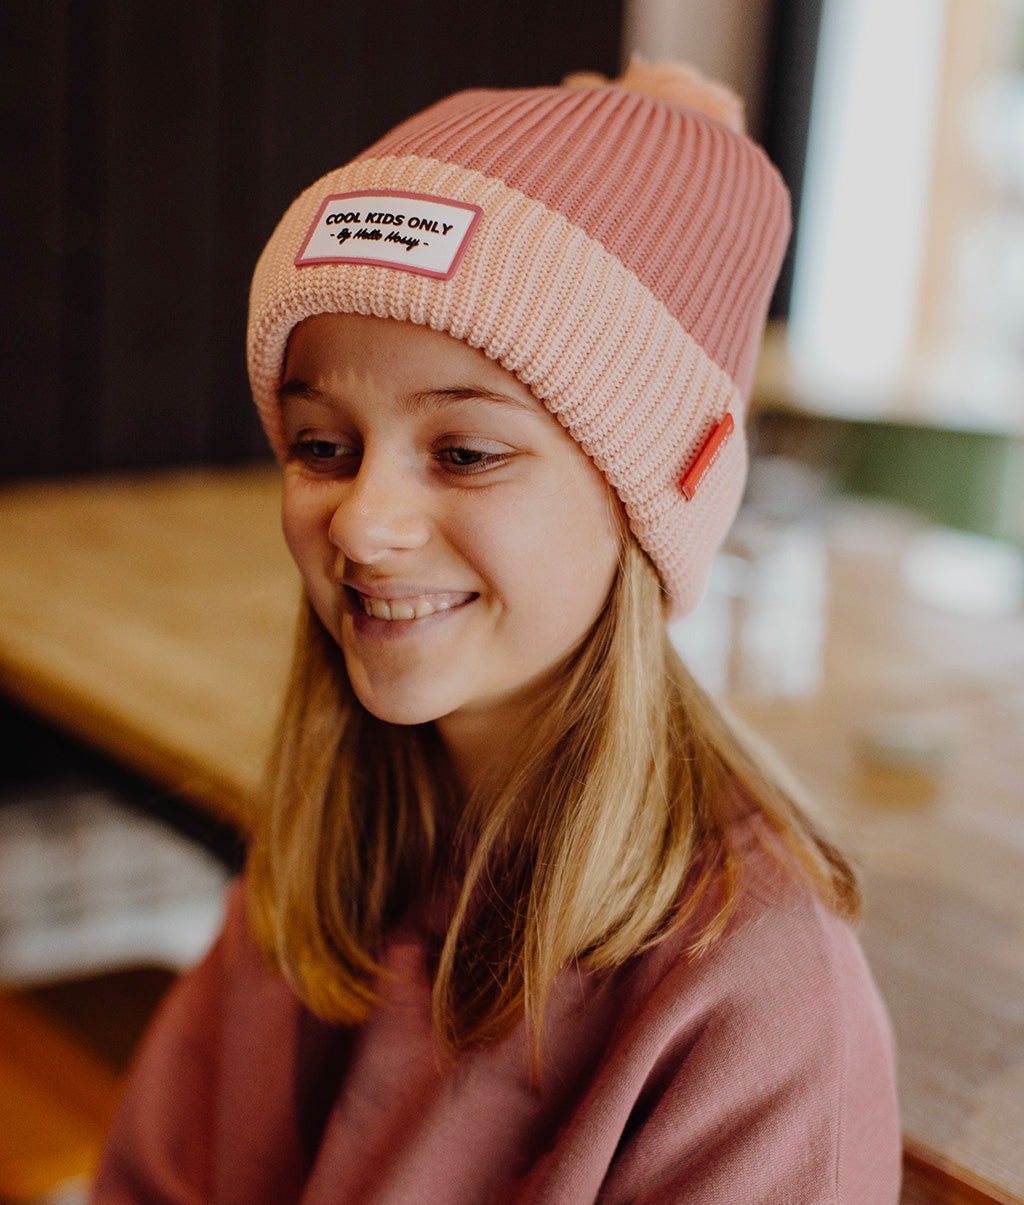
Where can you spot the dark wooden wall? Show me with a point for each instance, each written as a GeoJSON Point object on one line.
{"type": "Point", "coordinates": [149, 146]}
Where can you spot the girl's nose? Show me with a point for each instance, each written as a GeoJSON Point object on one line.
{"type": "Point", "coordinates": [381, 511]}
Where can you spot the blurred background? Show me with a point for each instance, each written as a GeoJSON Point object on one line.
{"type": "Point", "coordinates": [151, 147]}
{"type": "Point", "coordinates": [866, 616]}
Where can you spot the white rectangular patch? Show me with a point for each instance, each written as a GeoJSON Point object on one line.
{"type": "Point", "coordinates": [406, 230]}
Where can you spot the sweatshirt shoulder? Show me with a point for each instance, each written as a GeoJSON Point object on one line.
{"type": "Point", "coordinates": [779, 1033]}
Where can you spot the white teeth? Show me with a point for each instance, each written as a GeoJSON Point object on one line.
{"type": "Point", "coordinates": [403, 608]}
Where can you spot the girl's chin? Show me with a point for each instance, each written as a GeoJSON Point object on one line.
{"type": "Point", "coordinates": [402, 714]}
{"type": "Point", "coordinates": [401, 707]}
{"type": "Point", "coordinates": [451, 715]}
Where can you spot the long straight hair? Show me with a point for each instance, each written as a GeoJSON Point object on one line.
{"type": "Point", "coordinates": [612, 830]}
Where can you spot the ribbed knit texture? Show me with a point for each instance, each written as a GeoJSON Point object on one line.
{"type": "Point", "coordinates": [695, 210]}
{"type": "Point", "coordinates": [622, 270]}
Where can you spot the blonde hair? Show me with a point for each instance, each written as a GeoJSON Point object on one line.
{"type": "Point", "coordinates": [612, 830]}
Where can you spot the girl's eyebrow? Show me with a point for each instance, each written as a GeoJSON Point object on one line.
{"type": "Point", "coordinates": [437, 399]}
{"type": "Point", "coordinates": [299, 389]}
{"type": "Point", "coordinates": [426, 399]}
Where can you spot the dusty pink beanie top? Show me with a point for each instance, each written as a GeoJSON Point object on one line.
{"type": "Point", "coordinates": [613, 245]}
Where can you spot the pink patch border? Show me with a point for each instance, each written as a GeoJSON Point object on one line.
{"type": "Point", "coordinates": [477, 212]}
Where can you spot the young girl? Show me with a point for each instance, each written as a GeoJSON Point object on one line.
{"type": "Point", "coordinates": [523, 919]}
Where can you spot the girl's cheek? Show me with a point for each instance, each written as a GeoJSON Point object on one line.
{"type": "Point", "coordinates": [305, 521]}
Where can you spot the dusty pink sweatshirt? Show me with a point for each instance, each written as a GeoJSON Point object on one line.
{"type": "Point", "coordinates": [760, 1074]}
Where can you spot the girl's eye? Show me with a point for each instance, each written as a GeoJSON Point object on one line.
{"type": "Point", "coordinates": [318, 453]}
{"type": "Point", "coordinates": [464, 461]}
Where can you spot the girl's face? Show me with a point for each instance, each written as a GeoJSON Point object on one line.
{"type": "Point", "coordinates": [452, 537]}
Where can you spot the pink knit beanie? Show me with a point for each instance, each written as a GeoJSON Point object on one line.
{"type": "Point", "coordinates": [612, 245]}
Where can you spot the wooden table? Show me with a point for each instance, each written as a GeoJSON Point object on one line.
{"type": "Point", "coordinates": [153, 617]}
{"type": "Point", "coordinates": [941, 845]}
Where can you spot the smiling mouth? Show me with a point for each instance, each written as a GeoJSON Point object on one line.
{"type": "Point", "coordinates": [410, 608]}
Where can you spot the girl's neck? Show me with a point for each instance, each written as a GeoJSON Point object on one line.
{"type": "Point", "coordinates": [483, 743]}
{"type": "Point", "coordinates": [479, 751]}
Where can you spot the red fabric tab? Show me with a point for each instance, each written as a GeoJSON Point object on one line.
{"type": "Point", "coordinates": [694, 479]}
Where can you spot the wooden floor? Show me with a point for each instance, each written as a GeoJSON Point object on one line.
{"type": "Point", "coordinates": [57, 1102]}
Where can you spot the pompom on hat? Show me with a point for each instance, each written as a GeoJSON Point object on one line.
{"type": "Point", "coordinates": [612, 244]}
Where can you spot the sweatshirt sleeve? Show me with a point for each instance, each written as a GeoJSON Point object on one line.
{"type": "Point", "coordinates": [158, 1150]}
{"type": "Point", "coordinates": [775, 1088]}
{"type": "Point", "coordinates": [210, 1111]}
